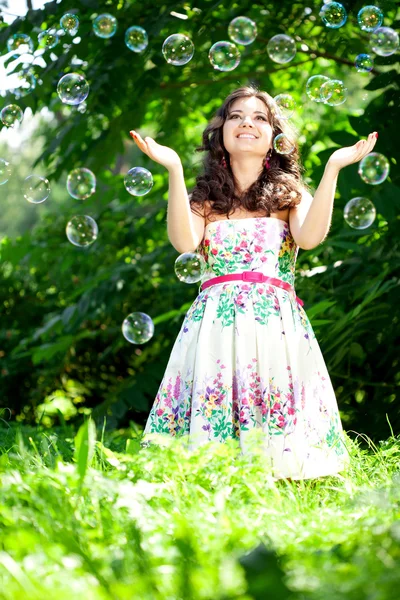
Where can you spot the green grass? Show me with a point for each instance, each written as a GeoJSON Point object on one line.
{"type": "Point", "coordinates": [81, 518]}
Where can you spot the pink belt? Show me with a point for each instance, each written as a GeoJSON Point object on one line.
{"type": "Point", "coordinates": [253, 276]}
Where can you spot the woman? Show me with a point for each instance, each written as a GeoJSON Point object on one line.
{"type": "Point", "coordinates": [246, 358]}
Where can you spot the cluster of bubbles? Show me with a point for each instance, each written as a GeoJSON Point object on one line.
{"type": "Point", "coordinates": [332, 92]}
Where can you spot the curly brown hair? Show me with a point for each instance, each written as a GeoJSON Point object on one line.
{"type": "Point", "coordinates": [276, 189]}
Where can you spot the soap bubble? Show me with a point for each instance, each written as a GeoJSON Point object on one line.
{"type": "Point", "coordinates": [369, 18]}
{"type": "Point", "coordinates": [81, 183]}
{"type": "Point", "coordinates": [48, 39]}
{"type": "Point", "coordinates": [313, 87]}
{"type": "Point", "coordinates": [384, 41]}
{"type": "Point", "coordinates": [190, 267]}
{"type": "Point", "coordinates": [334, 92]}
{"type": "Point", "coordinates": [82, 231]}
{"type": "Point", "coordinates": [333, 15]}
{"type": "Point", "coordinates": [242, 30]}
{"type": "Point", "coordinates": [27, 83]}
{"type": "Point", "coordinates": [374, 168]}
{"type": "Point", "coordinates": [364, 63]}
{"type": "Point", "coordinates": [138, 181]}
{"type": "Point", "coordinates": [281, 48]}
{"type": "Point", "coordinates": [36, 189]}
{"type": "Point", "coordinates": [178, 49]}
{"type": "Point", "coordinates": [138, 328]}
{"type": "Point", "coordinates": [224, 56]}
{"type": "Point", "coordinates": [105, 26]}
{"type": "Point", "coordinates": [20, 43]}
{"type": "Point", "coordinates": [5, 171]}
{"type": "Point", "coordinates": [286, 105]}
{"type": "Point", "coordinates": [82, 107]}
{"type": "Point", "coordinates": [282, 144]}
{"type": "Point", "coordinates": [69, 23]}
{"type": "Point", "coordinates": [136, 38]}
{"type": "Point", "coordinates": [72, 89]}
{"type": "Point", "coordinates": [359, 213]}
{"type": "Point", "coordinates": [11, 115]}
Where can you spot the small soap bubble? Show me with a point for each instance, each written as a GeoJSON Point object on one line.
{"type": "Point", "coordinates": [224, 56]}
{"type": "Point", "coordinates": [281, 48]}
{"type": "Point", "coordinates": [81, 183]}
{"type": "Point", "coordinates": [333, 15]}
{"type": "Point", "coordinates": [5, 171]}
{"type": "Point", "coordinates": [286, 105]}
{"type": "Point", "coordinates": [82, 231]}
{"type": "Point", "coordinates": [72, 89]}
{"type": "Point", "coordinates": [359, 213]}
{"type": "Point", "coordinates": [384, 41]}
{"type": "Point", "coordinates": [82, 107]}
{"type": "Point", "coordinates": [374, 168]}
{"type": "Point", "coordinates": [369, 18]}
{"type": "Point", "coordinates": [69, 23]}
{"type": "Point", "coordinates": [36, 189]}
{"type": "Point", "coordinates": [313, 87]}
{"type": "Point", "coordinates": [138, 181]}
{"type": "Point", "coordinates": [20, 43]}
{"type": "Point", "coordinates": [26, 85]}
{"type": "Point", "coordinates": [136, 38]}
{"type": "Point", "coordinates": [105, 26]}
{"type": "Point", "coordinates": [178, 49]}
{"type": "Point", "coordinates": [364, 63]}
{"type": "Point", "coordinates": [242, 30]}
{"type": "Point", "coordinates": [282, 144]}
{"type": "Point", "coordinates": [334, 92]}
{"type": "Point", "coordinates": [48, 39]}
{"type": "Point", "coordinates": [190, 267]}
{"type": "Point", "coordinates": [138, 328]}
{"type": "Point", "coordinates": [11, 115]}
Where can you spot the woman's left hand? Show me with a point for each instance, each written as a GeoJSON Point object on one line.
{"type": "Point", "coordinates": [352, 154]}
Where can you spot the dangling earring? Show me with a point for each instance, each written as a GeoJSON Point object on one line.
{"type": "Point", "coordinates": [266, 163]}
{"type": "Point", "coordinates": [223, 162]}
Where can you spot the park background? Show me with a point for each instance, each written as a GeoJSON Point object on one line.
{"type": "Point", "coordinates": [83, 512]}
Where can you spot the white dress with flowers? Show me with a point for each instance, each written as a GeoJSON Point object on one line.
{"type": "Point", "coordinates": [246, 358]}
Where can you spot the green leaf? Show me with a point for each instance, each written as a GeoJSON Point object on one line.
{"type": "Point", "coordinates": [85, 441]}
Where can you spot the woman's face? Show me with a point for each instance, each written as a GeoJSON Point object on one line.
{"type": "Point", "coordinates": [247, 117]}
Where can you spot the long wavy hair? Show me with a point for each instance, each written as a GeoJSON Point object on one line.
{"type": "Point", "coordinates": [276, 189]}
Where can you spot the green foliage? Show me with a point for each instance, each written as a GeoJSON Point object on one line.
{"type": "Point", "coordinates": [63, 307]}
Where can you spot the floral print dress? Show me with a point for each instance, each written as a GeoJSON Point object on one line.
{"type": "Point", "coordinates": [246, 358]}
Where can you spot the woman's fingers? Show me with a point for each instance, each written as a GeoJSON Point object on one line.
{"type": "Point", "coordinates": [139, 141]}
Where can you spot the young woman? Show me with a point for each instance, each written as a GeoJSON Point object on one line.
{"type": "Point", "coordinates": [246, 357]}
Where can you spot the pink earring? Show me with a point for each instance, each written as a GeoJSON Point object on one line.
{"type": "Point", "coordinates": [266, 163]}
{"type": "Point", "coordinates": [223, 162]}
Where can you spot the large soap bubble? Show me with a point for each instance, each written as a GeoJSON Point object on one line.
{"type": "Point", "coordinates": [281, 48]}
{"type": "Point", "coordinates": [105, 26]}
{"type": "Point", "coordinates": [334, 92]}
{"type": "Point", "coordinates": [11, 115]}
{"type": "Point", "coordinates": [81, 183]}
{"type": "Point", "coordinates": [48, 39]}
{"type": "Point", "coordinates": [359, 213]}
{"type": "Point", "coordinates": [5, 171]}
{"type": "Point", "coordinates": [286, 105]}
{"type": "Point", "coordinates": [138, 328]}
{"type": "Point", "coordinates": [333, 15]}
{"type": "Point", "coordinates": [35, 189]}
{"type": "Point", "coordinates": [242, 30]}
{"type": "Point", "coordinates": [364, 63]}
{"type": "Point", "coordinates": [72, 89]}
{"type": "Point", "coordinates": [82, 231]}
{"type": "Point", "coordinates": [178, 49]}
{"type": "Point", "coordinates": [190, 267]}
{"type": "Point", "coordinates": [369, 18]}
{"type": "Point", "coordinates": [138, 181]}
{"type": "Point", "coordinates": [374, 168]}
{"type": "Point", "coordinates": [283, 144]}
{"type": "Point", "coordinates": [224, 56]}
{"type": "Point", "coordinates": [69, 23]}
{"type": "Point", "coordinates": [20, 43]}
{"type": "Point", "coordinates": [384, 41]}
{"type": "Point", "coordinates": [136, 38]}
{"type": "Point", "coordinates": [313, 87]}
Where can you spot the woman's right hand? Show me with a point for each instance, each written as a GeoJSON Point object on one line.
{"type": "Point", "coordinates": [162, 154]}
